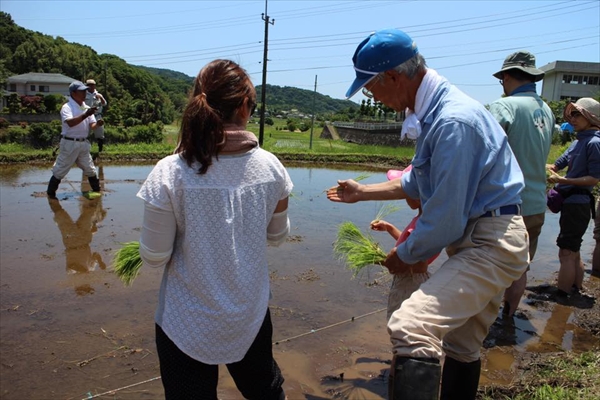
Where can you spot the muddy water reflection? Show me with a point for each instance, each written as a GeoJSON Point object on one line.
{"type": "Point", "coordinates": [69, 329]}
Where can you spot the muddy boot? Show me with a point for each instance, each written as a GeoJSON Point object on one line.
{"type": "Point", "coordinates": [94, 183]}
{"type": "Point", "coordinates": [52, 187]}
{"type": "Point", "coordinates": [460, 379]}
{"type": "Point", "coordinates": [414, 379]}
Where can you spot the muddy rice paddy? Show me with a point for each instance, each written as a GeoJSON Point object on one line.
{"type": "Point", "coordinates": [70, 330]}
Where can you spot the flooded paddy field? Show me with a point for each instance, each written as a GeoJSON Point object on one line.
{"type": "Point", "coordinates": [69, 329]}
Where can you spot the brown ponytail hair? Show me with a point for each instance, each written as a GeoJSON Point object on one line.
{"type": "Point", "coordinates": [219, 91]}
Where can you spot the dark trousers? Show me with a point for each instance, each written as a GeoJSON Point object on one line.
{"type": "Point", "coordinates": [257, 376]}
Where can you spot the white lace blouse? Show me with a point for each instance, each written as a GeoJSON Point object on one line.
{"type": "Point", "coordinates": [215, 288]}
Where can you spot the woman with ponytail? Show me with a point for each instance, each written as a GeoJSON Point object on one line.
{"type": "Point", "coordinates": [210, 211]}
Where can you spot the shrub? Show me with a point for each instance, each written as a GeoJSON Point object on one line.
{"type": "Point", "coordinates": [115, 134]}
{"type": "Point", "coordinates": [53, 102]}
{"type": "Point", "coordinates": [151, 133]}
{"type": "Point", "coordinates": [43, 134]}
{"type": "Point", "coordinates": [4, 123]}
{"type": "Point", "coordinates": [132, 122]}
{"type": "Point", "coordinates": [14, 134]}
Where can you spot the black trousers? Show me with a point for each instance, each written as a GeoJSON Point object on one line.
{"type": "Point", "coordinates": [257, 376]}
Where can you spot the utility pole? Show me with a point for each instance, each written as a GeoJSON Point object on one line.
{"type": "Point", "coordinates": [105, 80]}
{"type": "Point", "coordinates": [312, 124]}
{"type": "Point", "coordinates": [263, 94]}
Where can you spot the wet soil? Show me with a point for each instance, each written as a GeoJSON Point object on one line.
{"type": "Point", "coordinates": [70, 330]}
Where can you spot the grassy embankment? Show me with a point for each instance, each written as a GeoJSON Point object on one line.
{"type": "Point", "coordinates": [561, 376]}
{"type": "Point", "coordinates": [288, 146]}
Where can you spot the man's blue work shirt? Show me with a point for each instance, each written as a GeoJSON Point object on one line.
{"type": "Point", "coordinates": [463, 167]}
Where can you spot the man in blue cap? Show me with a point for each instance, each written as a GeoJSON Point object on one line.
{"type": "Point", "coordinates": [469, 184]}
{"type": "Point", "coordinates": [77, 120]}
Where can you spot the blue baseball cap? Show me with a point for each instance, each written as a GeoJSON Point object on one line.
{"type": "Point", "coordinates": [76, 86]}
{"type": "Point", "coordinates": [381, 51]}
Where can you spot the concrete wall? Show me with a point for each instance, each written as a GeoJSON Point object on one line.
{"type": "Point", "coordinates": [30, 118]}
{"type": "Point", "coordinates": [389, 136]}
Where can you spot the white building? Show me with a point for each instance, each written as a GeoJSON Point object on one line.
{"type": "Point", "coordinates": [33, 83]}
{"type": "Point", "coordinates": [570, 80]}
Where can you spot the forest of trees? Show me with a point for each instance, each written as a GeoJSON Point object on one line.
{"type": "Point", "coordinates": [136, 94]}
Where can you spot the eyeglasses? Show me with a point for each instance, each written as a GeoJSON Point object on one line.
{"type": "Point", "coordinates": [575, 114]}
{"type": "Point", "coordinates": [501, 82]}
{"type": "Point", "coordinates": [367, 93]}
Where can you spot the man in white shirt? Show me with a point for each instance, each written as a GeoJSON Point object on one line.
{"type": "Point", "coordinates": [95, 99]}
{"type": "Point", "coordinates": [77, 119]}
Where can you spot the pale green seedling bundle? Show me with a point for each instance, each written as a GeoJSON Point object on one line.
{"type": "Point", "coordinates": [356, 249]}
{"type": "Point", "coordinates": [127, 262]}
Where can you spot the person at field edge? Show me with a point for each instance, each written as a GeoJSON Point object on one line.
{"type": "Point", "coordinates": [528, 122]}
{"type": "Point", "coordinates": [583, 161]}
{"type": "Point", "coordinates": [469, 183]}
{"type": "Point", "coordinates": [94, 99]}
{"type": "Point", "coordinates": [210, 210]}
{"type": "Point", "coordinates": [77, 120]}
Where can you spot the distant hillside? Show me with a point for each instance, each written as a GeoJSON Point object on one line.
{"type": "Point", "coordinates": [286, 98]}
{"type": "Point", "coordinates": [278, 99]}
{"type": "Point", "coordinates": [136, 94]}
{"type": "Point", "coordinates": [168, 73]}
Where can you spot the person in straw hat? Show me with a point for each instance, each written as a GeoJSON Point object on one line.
{"type": "Point", "coordinates": [94, 99]}
{"type": "Point", "coordinates": [583, 161]}
{"type": "Point", "coordinates": [528, 122]}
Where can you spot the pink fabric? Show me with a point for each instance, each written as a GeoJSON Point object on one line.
{"type": "Point", "coordinates": [397, 173]}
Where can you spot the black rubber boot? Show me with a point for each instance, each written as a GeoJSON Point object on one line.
{"type": "Point", "coordinates": [414, 379]}
{"type": "Point", "coordinates": [100, 145]}
{"type": "Point", "coordinates": [94, 183]}
{"type": "Point", "coordinates": [460, 379]}
{"type": "Point", "coordinates": [52, 187]}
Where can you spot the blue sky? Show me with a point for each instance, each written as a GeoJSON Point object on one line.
{"type": "Point", "coordinates": [465, 41]}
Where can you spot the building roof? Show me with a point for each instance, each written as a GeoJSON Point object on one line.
{"type": "Point", "coordinates": [40, 77]}
{"type": "Point", "coordinates": [571, 66]}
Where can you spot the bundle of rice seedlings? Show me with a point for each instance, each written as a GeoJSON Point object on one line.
{"type": "Point", "coordinates": [356, 249]}
{"type": "Point", "coordinates": [92, 195]}
{"type": "Point", "coordinates": [127, 262]}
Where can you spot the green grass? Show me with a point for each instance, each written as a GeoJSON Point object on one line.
{"type": "Point", "coordinates": [289, 146]}
{"type": "Point", "coordinates": [566, 376]}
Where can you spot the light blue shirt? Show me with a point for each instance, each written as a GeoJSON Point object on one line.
{"type": "Point", "coordinates": [463, 167]}
{"type": "Point", "coordinates": [528, 123]}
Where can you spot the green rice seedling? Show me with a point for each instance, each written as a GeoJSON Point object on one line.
{"type": "Point", "coordinates": [386, 209]}
{"type": "Point", "coordinates": [356, 249]}
{"type": "Point", "coordinates": [127, 262]}
{"type": "Point", "coordinates": [92, 195]}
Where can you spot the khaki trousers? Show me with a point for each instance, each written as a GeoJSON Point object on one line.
{"type": "Point", "coordinates": [70, 153]}
{"type": "Point", "coordinates": [453, 310]}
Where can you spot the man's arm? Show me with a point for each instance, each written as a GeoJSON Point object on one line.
{"type": "Point", "coordinates": [350, 191]}
{"type": "Point", "coordinates": [102, 99]}
{"type": "Point", "coordinates": [73, 121]}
